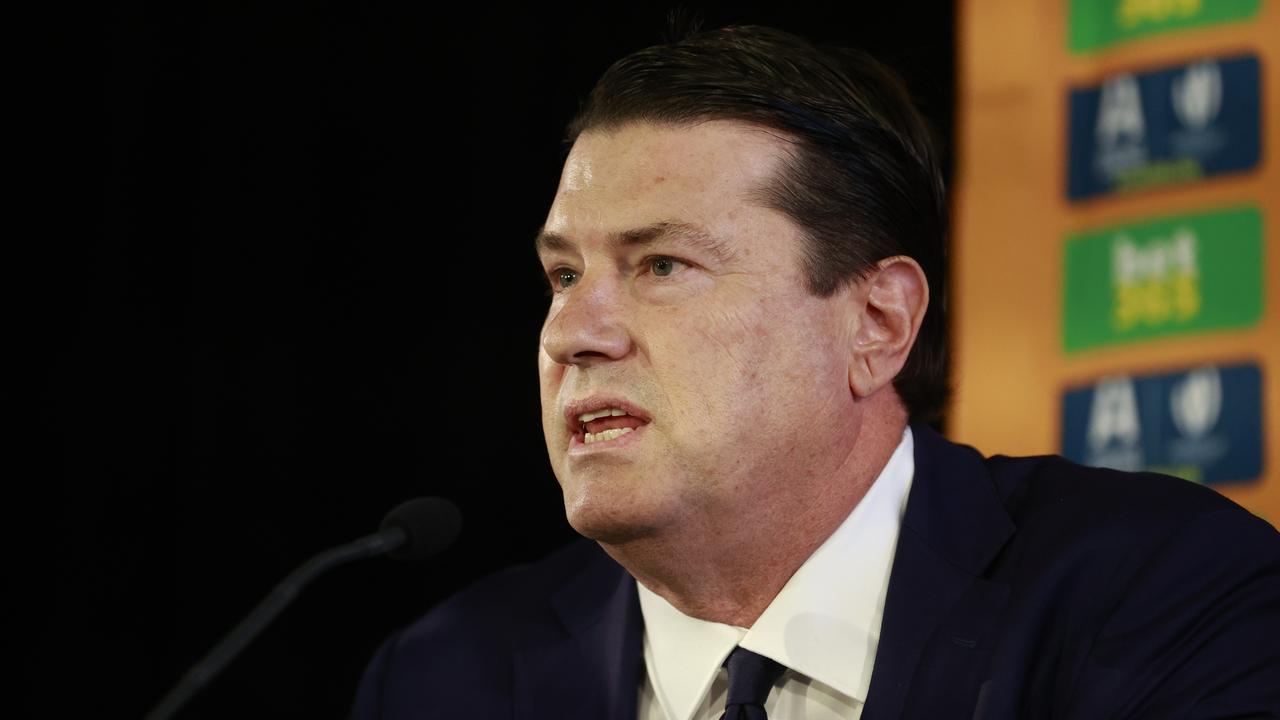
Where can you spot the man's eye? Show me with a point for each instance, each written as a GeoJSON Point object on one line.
{"type": "Point", "coordinates": [663, 266]}
{"type": "Point", "coordinates": [563, 277]}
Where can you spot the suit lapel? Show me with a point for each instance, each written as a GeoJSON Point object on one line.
{"type": "Point", "coordinates": [593, 670]}
{"type": "Point", "coordinates": [938, 612]}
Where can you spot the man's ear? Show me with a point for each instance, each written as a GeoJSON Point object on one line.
{"type": "Point", "coordinates": [893, 298]}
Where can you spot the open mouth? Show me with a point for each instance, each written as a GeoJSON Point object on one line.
{"type": "Point", "coordinates": [601, 441]}
{"type": "Point", "coordinates": [605, 425]}
{"type": "Point", "coordinates": [599, 421]}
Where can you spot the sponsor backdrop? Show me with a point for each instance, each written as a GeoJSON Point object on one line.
{"type": "Point", "coordinates": [1116, 257]}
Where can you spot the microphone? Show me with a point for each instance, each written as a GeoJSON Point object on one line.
{"type": "Point", "coordinates": [412, 531]}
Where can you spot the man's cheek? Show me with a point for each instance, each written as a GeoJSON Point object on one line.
{"type": "Point", "coordinates": [726, 345]}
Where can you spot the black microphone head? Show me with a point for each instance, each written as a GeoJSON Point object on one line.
{"type": "Point", "coordinates": [431, 524]}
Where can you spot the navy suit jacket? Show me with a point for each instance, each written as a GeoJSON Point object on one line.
{"type": "Point", "coordinates": [1020, 588]}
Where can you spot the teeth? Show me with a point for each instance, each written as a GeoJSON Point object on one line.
{"type": "Point", "coordinates": [589, 438]}
{"type": "Point", "coordinates": [606, 412]}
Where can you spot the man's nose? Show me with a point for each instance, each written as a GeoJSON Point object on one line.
{"type": "Point", "coordinates": [589, 325]}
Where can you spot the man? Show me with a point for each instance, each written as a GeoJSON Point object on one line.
{"type": "Point", "coordinates": [745, 337]}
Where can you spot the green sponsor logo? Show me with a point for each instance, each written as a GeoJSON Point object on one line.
{"type": "Point", "coordinates": [1170, 276]}
{"type": "Point", "coordinates": [1095, 24]}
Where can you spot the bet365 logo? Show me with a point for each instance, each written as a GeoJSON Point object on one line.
{"type": "Point", "coordinates": [1095, 24]}
{"type": "Point", "coordinates": [1132, 13]}
{"type": "Point", "coordinates": [1163, 276]}
{"type": "Point", "coordinates": [1156, 282]}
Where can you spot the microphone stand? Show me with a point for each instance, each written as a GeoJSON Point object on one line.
{"type": "Point", "coordinates": [284, 593]}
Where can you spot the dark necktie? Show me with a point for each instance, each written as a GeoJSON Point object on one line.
{"type": "Point", "coordinates": [750, 677]}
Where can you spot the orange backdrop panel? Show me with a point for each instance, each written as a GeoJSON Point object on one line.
{"type": "Point", "coordinates": [1012, 217]}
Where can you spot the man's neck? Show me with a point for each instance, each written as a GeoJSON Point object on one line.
{"type": "Point", "coordinates": [729, 570]}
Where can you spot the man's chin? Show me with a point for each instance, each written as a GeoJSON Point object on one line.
{"type": "Point", "coordinates": [607, 526]}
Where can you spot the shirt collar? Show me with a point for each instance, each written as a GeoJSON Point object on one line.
{"type": "Point", "coordinates": [824, 623]}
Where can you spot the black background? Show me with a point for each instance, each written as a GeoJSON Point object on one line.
{"type": "Point", "coordinates": [282, 280]}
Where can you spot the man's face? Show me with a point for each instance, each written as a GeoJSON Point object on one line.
{"type": "Point", "coordinates": [679, 300]}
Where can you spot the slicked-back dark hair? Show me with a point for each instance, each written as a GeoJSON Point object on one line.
{"type": "Point", "coordinates": [863, 180]}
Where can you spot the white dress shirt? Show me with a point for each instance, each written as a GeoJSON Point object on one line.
{"type": "Point", "coordinates": [824, 625]}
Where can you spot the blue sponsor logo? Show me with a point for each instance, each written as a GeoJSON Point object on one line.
{"type": "Point", "coordinates": [1203, 424]}
{"type": "Point", "coordinates": [1168, 126]}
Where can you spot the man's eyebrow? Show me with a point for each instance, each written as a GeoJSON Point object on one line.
{"type": "Point", "coordinates": [681, 233]}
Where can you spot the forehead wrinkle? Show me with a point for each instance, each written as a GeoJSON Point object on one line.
{"type": "Point", "coordinates": [680, 232]}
